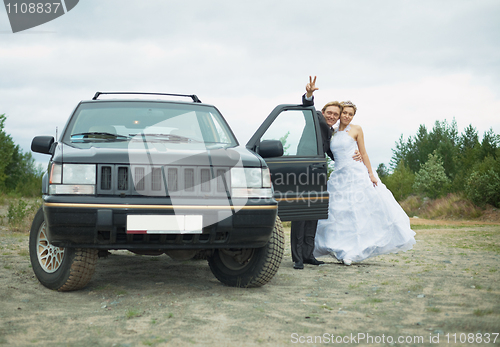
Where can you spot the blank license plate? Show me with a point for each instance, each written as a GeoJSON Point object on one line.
{"type": "Point", "coordinates": [161, 224]}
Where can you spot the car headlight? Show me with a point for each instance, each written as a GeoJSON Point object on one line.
{"type": "Point", "coordinates": [72, 179]}
{"type": "Point", "coordinates": [251, 183]}
{"type": "Point", "coordinates": [246, 177]}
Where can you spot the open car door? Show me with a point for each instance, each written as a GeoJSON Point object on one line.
{"type": "Point", "coordinates": [299, 176]}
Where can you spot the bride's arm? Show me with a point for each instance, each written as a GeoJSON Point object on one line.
{"type": "Point", "coordinates": [362, 150]}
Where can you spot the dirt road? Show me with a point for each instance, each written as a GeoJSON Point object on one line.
{"type": "Point", "coordinates": [447, 287]}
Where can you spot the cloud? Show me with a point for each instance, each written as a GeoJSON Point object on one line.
{"type": "Point", "coordinates": [404, 63]}
{"type": "Point", "coordinates": [388, 111]}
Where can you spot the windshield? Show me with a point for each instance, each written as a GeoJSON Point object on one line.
{"type": "Point", "coordinates": [116, 123]}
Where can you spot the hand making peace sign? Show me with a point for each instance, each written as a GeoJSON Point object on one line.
{"type": "Point", "coordinates": [311, 87]}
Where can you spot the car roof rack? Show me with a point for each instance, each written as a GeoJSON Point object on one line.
{"type": "Point", "coordinates": [194, 97]}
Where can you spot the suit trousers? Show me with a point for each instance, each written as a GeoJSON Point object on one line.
{"type": "Point", "coordinates": [302, 236]}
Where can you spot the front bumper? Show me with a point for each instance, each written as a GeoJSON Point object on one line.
{"type": "Point", "coordinates": [101, 222]}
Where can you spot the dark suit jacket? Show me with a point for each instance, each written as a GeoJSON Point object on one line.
{"type": "Point", "coordinates": [326, 131]}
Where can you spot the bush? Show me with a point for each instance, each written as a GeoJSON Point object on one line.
{"type": "Point", "coordinates": [20, 214]}
{"type": "Point", "coordinates": [400, 182]}
{"type": "Point", "coordinates": [483, 187]}
{"type": "Point", "coordinates": [17, 211]}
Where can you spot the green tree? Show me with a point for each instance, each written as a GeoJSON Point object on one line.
{"type": "Point", "coordinates": [489, 144]}
{"type": "Point", "coordinates": [444, 138]}
{"type": "Point", "coordinates": [400, 153]}
{"type": "Point", "coordinates": [431, 179]}
{"type": "Point", "coordinates": [469, 139]}
{"type": "Point", "coordinates": [7, 149]}
{"type": "Point", "coordinates": [468, 151]}
{"type": "Point", "coordinates": [420, 149]}
{"type": "Point", "coordinates": [382, 171]}
{"type": "Point", "coordinates": [18, 172]}
{"type": "Point", "coordinates": [400, 182]}
{"type": "Point", "coordinates": [484, 188]}
{"type": "Point", "coordinates": [283, 140]}
{"type": "Point", "coordinates": [483, 184]}
{"type": "Point", "coordinates": [459, 155]}
{"type": "Point", "coordinates": [415, 151]}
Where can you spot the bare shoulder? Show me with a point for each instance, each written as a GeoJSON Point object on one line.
{"type": "Point", "coordinates": [356, 128]}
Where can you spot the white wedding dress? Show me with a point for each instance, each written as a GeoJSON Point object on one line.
{"type": "Point", "coordinates": [363, 221]}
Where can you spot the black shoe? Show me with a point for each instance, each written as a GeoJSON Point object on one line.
{"type": "Point", "coordinates": [298, 265]}
{"type": "Point", "coordinates": [314, 261]}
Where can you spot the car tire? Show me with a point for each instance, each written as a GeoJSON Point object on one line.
{"type": "Point", "coordinates": [249, 267]}
{"type": "Point", "coordinates": [58, 268]}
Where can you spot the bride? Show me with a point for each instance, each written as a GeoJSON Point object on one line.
{"type": "Point", "coordinates": [364, 219]}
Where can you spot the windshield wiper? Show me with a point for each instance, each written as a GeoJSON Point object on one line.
{"type": "Point", "coordinates": [168, 137]}
{"type": "Point", "coordinates": [99, 135]}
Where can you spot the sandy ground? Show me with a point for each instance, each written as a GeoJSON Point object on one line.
{"type": "Point", "coordinates": [447, 287]}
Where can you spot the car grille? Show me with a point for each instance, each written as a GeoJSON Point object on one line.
{"type": "Point", "coordinates": [164, 239]}
{"type": "Point", "coordinates": [162, 180]}
{"type": "Point", "coordinates": [122, 178]}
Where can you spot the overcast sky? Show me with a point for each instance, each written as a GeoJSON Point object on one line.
{"type": "Point", "coordinates": [403, 63]}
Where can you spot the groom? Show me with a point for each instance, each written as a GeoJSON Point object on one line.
{"type": "Point", "coordinates": [303, 232]}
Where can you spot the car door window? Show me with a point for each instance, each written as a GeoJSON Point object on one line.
{"type": "Point", "coordinates": [299, 176]}
{"type": "Point", "coordinates": [296, 131]}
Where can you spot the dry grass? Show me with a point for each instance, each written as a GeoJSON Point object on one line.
{"type": "Point", "coordinates": [451, 207]}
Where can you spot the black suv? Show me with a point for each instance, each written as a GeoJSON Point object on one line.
{"type": "Point", "coordinates": [162, 176]}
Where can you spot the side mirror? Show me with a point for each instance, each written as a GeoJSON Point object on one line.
{"type": "Point", "coordinates": [42, 144]}
{"type": "Point", "coordinates": [270, 149]}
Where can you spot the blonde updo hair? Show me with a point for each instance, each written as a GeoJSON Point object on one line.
{"type": "Point", "coordinates": [332, 103]}
{"type": "Point", "coordinates": [348, 104]}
